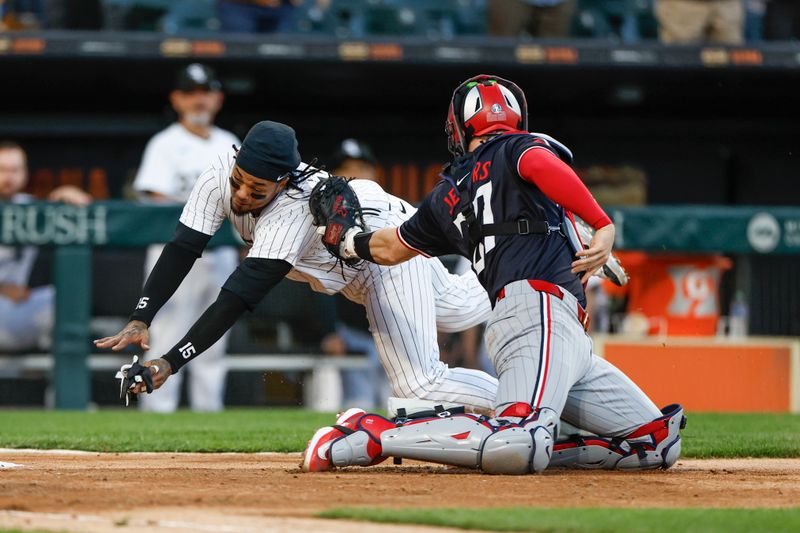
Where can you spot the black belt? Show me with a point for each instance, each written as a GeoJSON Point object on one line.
{"type": "Point", "coordinates": [522, 226]}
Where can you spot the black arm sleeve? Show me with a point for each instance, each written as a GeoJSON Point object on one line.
{"type": "Point", "coordinates": [172, 266]}
{"type": "Point", "coordinates": [247, 286]}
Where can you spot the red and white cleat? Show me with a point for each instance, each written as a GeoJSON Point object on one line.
{"type": "Point", "coordinates": [350, 418]}
{"type": "Point", "coordinates": [316, 457]}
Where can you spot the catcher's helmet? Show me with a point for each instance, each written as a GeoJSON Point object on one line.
{"type": "Point", "coordinates": [481, 105]}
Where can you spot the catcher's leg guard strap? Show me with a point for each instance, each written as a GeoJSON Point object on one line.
{"type": "Point", "coordinates": [411, 408]}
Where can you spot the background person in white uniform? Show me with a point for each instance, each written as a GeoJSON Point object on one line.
{"type": "Point", "coordinates": [26, 313]}
{"type": "Point", "coordinates": [172, 162]}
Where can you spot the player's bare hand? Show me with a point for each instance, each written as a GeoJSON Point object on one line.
{"type": "Point", "coordinates": [135, 332]}
{"type": "Point", "coordinates": [160, 369]}
{"type": "Point", "coordinates": [597, 254]}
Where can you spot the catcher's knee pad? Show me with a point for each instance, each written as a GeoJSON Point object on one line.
{"type": "Point", "coordinates": [517, 450]}
{"type": "Point", "coordinates": [543, 427]}
{"type": "Point", "coordinates": [360, 446]}
{"type": "Point", "coordinates": [656, 444]}
{"type": "Point", "coordinates": [521, 448]}
{"type": "Point", "coordinates": [508, 451]}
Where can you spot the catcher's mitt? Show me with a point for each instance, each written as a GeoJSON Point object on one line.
{"type": "Point", "coordinates": [336, 210]}
{"type": "Point", "coordinates": [131, 375]}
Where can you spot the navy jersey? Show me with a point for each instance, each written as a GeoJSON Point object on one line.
{"type": "Point", "coordinates": [489, 180]}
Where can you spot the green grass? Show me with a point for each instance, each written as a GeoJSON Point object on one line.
{"type": "Point", "coordinates": [276, 430]}
{"type": "Point", "coordinates": [741, 435]}
{"type": "Point", "coordinates": [587, 520]}
{"type": "Point", "coordinates": [287, 430]}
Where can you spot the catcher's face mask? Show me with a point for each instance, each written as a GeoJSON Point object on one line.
{"type": "Point", "coordinates": [483, 105]}
{"type": "Point", "coordinates": [249, 193]}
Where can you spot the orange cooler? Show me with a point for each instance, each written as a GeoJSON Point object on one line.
{"type": "Point", "coordinates": [682, 290]}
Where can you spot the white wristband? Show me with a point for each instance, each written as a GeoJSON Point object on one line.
{"type": "Point", "coordinates": [347, 248]}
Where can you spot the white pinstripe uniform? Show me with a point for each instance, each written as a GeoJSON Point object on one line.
{"type": "Point", "coordinates": [405, 304]}
{"type": "Point", "coordinates": [171, 163]}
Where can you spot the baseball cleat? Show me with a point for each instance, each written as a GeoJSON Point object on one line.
{"type": "Point", "coordinates": [350, 418]}
{"type": "Point", "coordinates": [316, 457]}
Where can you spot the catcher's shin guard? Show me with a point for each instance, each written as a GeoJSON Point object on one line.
{"type": "Point", "coordinates": [361, 443]}
{"type": "Point", "coordinates": [475, 442]}
{"type": "Point", "coordinates": [454, 440]}
{"type": "Point", "coordinates": [656, 444]}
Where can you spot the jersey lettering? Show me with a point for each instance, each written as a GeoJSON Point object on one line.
{"type": "Point", "coordinates": [451, 200]}
{"type": "Point", "coordinates": [481, 171]}
{"type": "Point", "coordinates": [143, 302]}
{"type": "Point", "coordinates": [483, 210]}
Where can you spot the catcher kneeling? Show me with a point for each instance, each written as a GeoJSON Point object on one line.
{"type": "Point", "coordinates": [506, 202]}
{"type": "Point", "coordinates": [496, 446]}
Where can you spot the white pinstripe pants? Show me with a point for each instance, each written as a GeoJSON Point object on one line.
{"type": "Point", "coordinates": [404, 315]}
{"type": "Point", "coordinates": [544, 357]}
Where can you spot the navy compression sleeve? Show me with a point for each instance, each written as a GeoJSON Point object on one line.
{"type": "Point", "coordinates": [175, 262]}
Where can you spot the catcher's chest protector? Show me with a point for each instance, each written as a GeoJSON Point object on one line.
{"type": "Point", "coordinates": [500, 216]}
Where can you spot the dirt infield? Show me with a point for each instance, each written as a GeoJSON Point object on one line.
{"type": "Point", "coordinates": [79, 491]}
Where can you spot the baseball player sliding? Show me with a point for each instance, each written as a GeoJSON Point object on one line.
{"type": "Point", "coordinates": [263, 190]}
{"type": "Point", "coordinates": [506, 202]}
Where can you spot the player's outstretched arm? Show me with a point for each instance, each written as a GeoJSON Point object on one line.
{"type": "Point", "coordinates": [172, 266]}
{"type": "Point", "coordinates": [247, 286]}
{"type": "Point", "coordinates": [383, 247]}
